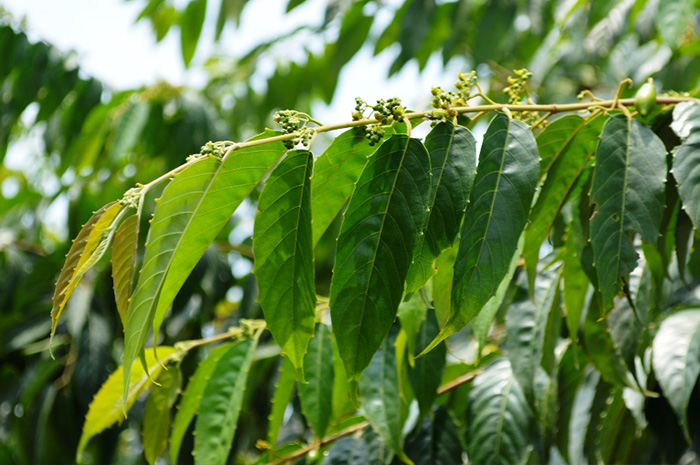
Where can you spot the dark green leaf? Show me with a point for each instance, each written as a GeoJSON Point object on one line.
{"type": "Point", "coordinates": [452, 152]}
{"type": "Point", "coordinates": [676, 360]}
{"type": "Point", "coordinates": [497, 213]}
{"type": "Point", "coordinates": [628, 188]}
{"type": "Point", "coordinates": [374, 251]}
{"type": "Point", "coordinates": [581, 416]}
{"type": "Point", "coordinates": [191, 22]}
{"type": "Point", "coordinates": [192, 397]}
{"type": "Point", "coordinates": [500, 419]}
{"type": "Point", "coordinates": [566, 148]}
{"type": "Point", "coordinates": [156, 415]}
{"type": "Point", "coordinates": [686, 158]}
{"type": "Point", "coordinates": [284, 262]}
{"type": "Point", "coordinates": [316, 395]}
{"type": "Point", "coordinates": [284, 388]}
{"type": "Point", "coordinates": [221, 403]}
{"type": "Point", "coordinates": [335, 173]}
{"type": "Point", "coordinates": [426, 373]}
{"type": "Point", "coordinates": [381, 401]}
{"type": "Point", "coordinates": [437, 442]}
{"type": "Point", "coordinates": [576, 282]}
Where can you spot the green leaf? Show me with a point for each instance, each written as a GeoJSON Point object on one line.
{"type": "Point", "coordinates": [576, 282]}
{"type": "Point", "coordinates": [686, 158]}
{"type": "Point", "coordinates": [497, 213]}
{"type": "Point", "coordinates": [335, 173]}
{"type": "Point", "coordinates": [108, 405]}
{"type": "Point", "coordinates": [442, 284]}
{"type": "Point", "coordinates": [581, 416]}
{"type": "Point", "coordinates": [157, 413]}
{"type": "Point", "coordinates": [284, 388]}
{"type": "Point", "coordinates": [426, 373]}
{"type": "Point", "coordinates": [87, 249]}
{"type": "Point", "coordinates": [452, 152]}
{"type": "Point", "coordinates": [437, 442]}
{"type": "Point", "coordinates": [628, 188]}
{"type": "Point", "coordinates": [566, 147]}
{"type": "Point", "coordinates": [129, 128]}
{"type": "Point", "coordinates": [672, 18]}
{"type": "Point", "coordinates": [192, 397]}
{"type": "Point", "coordinates": [411, 315]}
{"type": "Point", "coordinates": [124, 254]}
{"type": "Point", "coordinates": [381, 401]}
{"type": "Point", "coordinates": [316, 395]}
{"type": "Point", "coordinates": [193, 209]}
{"type": "Point", "coordinates": [221, 403]}
{"type": "Point", "coordinates": [284, 261]}
{"type": "Point", "coordinates": [676, 360]}
{"type": "Point", "coordinates": [526, 329]}
{"type": "Point", "coordinates": [191, 22]}
{"type": "Point", "coordinates": [500, 419]}
{"type": "Point", "coordinates": [376, 242]}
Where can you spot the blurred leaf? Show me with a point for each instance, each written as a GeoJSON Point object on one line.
{"type": "Point", "coordinates": [316, 395]}
{"type": "Point", "coordinates": [157, 413]}
{"type": "Point", "coordinates": [191, 22]}
{"type": "Point", "coordinates": [129, 128]}
{"type": "Point", "coordinates": [192, 397]}
{"type": "Point", "coordinates": [284, 262]}
{"type": "Point", "coordinates": [108, 406]}
{"type": "Point", "coordinates": [437, 442]}
{"type": "Point", "coordinates": [686, 157]}
{"type": "Point", "coordinates": [676, 360]}
{"type": "Point", "coordinates": [221, 403]}
{"type": "Point", "coordinates": [581, 416]}
{"type": "Point", "coordinates": [672, 19]}
{"type": "Point", "coordinates": [628, 187]}
{"type": "Point", "coordinates": [411, 314]}
{"type": "Point", "coordinates": [426, 373]}
{"type": "Point", "coordinates": [374, 250]}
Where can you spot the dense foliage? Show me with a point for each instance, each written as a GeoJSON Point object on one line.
{"type": "Point", "coordinates": [516, 283]}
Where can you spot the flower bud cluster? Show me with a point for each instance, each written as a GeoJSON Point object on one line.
{"type": "Point", "coordinates": [386, 112]}
{"type": "Point", "coordinates": [445, 101]}
{"type": "Point", "coordinates": [294, 122]}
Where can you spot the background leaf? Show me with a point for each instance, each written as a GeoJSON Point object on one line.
{"type": "Point", "coordinates": [686, 158]}
{"type": "Point", "coordinates": [375, 246]}
{"type": "Point", "coordinates": [284, 388]}
{"type": "Point", "coordinates": [316, 395]}
{"type": "Point", "coordinates": [628, 187]}
{"type": "Point", "coordinates": [437, 442]}
{"type": "Point", "coordinates": [157, 413]}
{"type": "Point", "coordinates": [676, 360]}
{"type": "Point", "coordinates": [284, 261]}
{"type": "Point", "coordinates": [452, 151]}
{"type": "Point", "coordinates": [426, 373]}
{"type": "Point", "coordinates": [221, 403]}
{"type": "Point", "coordinates": [672, 19]}
{"type": "Point", "coordinates": [191, 22]}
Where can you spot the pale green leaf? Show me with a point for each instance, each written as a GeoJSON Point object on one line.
{"type": "Point", "coordinates": [108, 406]}
{"type": "Point", "coordinates": [191, 22]}
{"type": "Point", "coordinates": [157, 413]}
{"type": "Point", "coordinates": [284, 262]}
{"type": "Point", "coordinates": [411, 314]}
{"type": "Point", "coordinates": [672, 18]}
{"type": "Point", "coordinates": [124, 253]}
{"type": "Point", "coordinates": [686, 158]}
{"type": "Point", "coordinates": [284, 388]}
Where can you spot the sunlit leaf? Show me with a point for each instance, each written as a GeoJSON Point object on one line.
{"type": "Point", "coordinates": [124, 253]}
{"type": "Point", "coordinates": [108, 407]}
{"type": "Point", "coordinates": [157, 413]}
{"type": "Point", "coordinates": [192, 397]}
{"type": "Point", "coordinates": [316, 395]}
{"type": "Point", "coordinates": [221, 403]}
{"type": "Point", "coordinates": [284, 388]}
{"type": "Point", "coordinates": [672, 19]}
{"type": "Point", "coordinates": [284, 262]}
{"type": "Point", "coordinates": [191, 22]}
{"type": "Point", "coordinates": [628, 187]}
{"type": "Point", "coordinates": [452, 151]}
{"type": "Point", "coordinates": [686, 158]}
{"type": "Point", "coordinates": [676, 360]}
{"type": "Point", "coordinates": [374, 251]}
{"type": "Point", "coordinates": [87, 249]}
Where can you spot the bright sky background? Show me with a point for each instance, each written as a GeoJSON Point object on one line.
{"type": "Point", "coordinates": [122, 53]}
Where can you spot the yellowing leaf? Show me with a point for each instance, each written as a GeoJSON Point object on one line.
{"type": "Point", "coordinates": [124, 263]}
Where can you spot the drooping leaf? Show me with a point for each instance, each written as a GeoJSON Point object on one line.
{"type": "Point", "coordinates": [498, 209]}
{"type": "Point", "coordinates": [676, 360]}
{"type": "Point", "coordinates": [452, 151]}
{"type": "Point", "coordinates": [284, 388]}
{"type": "Point", "coordinates": [437, 442]}
{"type": "Point", "coordinates": [341, 398]}
{"type": "Point", "coordinates": [672, 19]}
{"type": "Point", "coordinates": [284, 262]}
{"type": "Point", "coordinates": [381, 401]}
{"type": "Point", "coordinates": [628, 187]}
{"type": "Point", "coordinates": [335, 173]}
{"type": "Point", "coordinates": [221, 403]}
{"type": "Point", "coordinates": [316, 395]}
{"type": "Point", "coordinates": [157, 413]}
{"type": "Point", "coordinates": [686, 158]}
{"type": "Point", "coordinates": [376, 242]}
{"type": "Point", "coordinates": [500, 419]}
{"type": "Point", "coordinates": [107, 407]}
{"type": "Point", "coordinates": [191, 398]}
{"type": "Point", "coordinates": [576, 282]}
{"type": "Point", "coordinates": [129, 128]}
{"type": "Point", "coordinates": [124, 253]}
{"type": "Point", "coordinates": [581, 416]}
{"type": "Point", "coordinates": [412, 315]}
{"type": "Point", "coordinates": [566, 147]}
{"type": "Point", "coordinates": [191, 22]}
{"type": "Point", "coordinates": [426, 373]}
{"type": "Point", "coordinates": [193, 209]}
{"type": "Point", "coordinates": [86, 250]}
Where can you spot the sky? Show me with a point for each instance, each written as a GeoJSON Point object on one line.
{"type": "Point", "coordinates": [114, 48]}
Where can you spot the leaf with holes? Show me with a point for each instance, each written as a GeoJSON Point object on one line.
{"type": "Point", "coordinates": [628, 188]}
{"type": "Point", "coordinates": [284, 262]}
{"type": "Point", "coordinates": [374, 251]}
